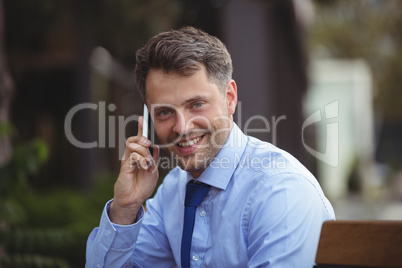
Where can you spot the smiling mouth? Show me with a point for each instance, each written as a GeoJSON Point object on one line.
{"type": "Point", "coordinates": [190, 142]}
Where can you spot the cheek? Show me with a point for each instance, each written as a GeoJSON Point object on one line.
{"type": "Point", "coordinates": [161, 131]}
{"type": "Point", "coordinates": [164, 129]}
{"type": "Point", "coordinates": [204, 120]}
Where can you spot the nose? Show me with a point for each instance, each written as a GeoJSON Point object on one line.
{"type": "Point", "coordinates": [182, 124]}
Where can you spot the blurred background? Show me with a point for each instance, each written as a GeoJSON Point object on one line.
{"type": "Point", "coordinates": [320, 79]}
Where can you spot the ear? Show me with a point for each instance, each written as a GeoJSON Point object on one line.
{"type": "Point", "coordinates": [231, 96]}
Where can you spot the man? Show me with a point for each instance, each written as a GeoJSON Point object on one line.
{"type": "Point", "coordinates": [261, 207]}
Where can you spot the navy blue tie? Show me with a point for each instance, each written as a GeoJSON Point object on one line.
{"type": "Point", "coordinates": [195, 193]}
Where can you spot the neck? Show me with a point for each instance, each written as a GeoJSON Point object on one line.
{"type": "Point", "coordinates": [197, 173]}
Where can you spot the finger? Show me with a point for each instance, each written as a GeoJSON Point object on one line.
{"type": "Point", "coordinates": [136, 144]}
{"type": "Point", "coordinates": [140, 125]}
{"type": "Point", "coordinates": [140, 140]}
{"type": "Point", "coordinates": [137, 148]}
{"type": "Point", "coordinates": [132, 161]}
{"type": "Point", "coordinates": [131, 164]}
{"type": "Point", "coordinates": [137, 160]}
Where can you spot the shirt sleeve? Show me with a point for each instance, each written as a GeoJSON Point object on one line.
{"type": "Point", "coordinates": [142, 244]}
{"type": "Point", "coordinates": [112, 245]}
{"type": "Point", "coordinates": [284, 216]}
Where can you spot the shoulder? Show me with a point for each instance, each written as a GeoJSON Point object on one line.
{"type": "Point", "coordinates": [274, 166]}
{"type": "Point", "coordinates": [285, 198]}
{"type": "Point", "coordinates": [265, 157]}
{"type": "Point", "coordinates": [279, 181]}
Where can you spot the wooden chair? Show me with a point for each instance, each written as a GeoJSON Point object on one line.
{"type": "Point", "coordinates": [360, 244]}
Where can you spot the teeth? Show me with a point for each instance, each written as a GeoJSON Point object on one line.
{"type": "Point", "coordinates": [189, 143]}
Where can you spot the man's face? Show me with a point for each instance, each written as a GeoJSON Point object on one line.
{"type": "Point", "coordinates": [192, 117]}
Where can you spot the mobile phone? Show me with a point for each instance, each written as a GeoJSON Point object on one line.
{"type": "Point", "coordinates": [146, 126]}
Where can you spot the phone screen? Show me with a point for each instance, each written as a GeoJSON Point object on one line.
{"type": "Point", "coordinates": [146, 128]}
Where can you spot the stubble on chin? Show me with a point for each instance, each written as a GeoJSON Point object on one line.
{"type": "Point", "coordinates": [199, 161]}
{"type": "Point", "coordinates": [213, 141]}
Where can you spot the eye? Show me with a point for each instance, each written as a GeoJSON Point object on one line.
{"type": "Point", "coordinates": [164, 113]}
{"type": "Point", "coordinates": [198, 104]}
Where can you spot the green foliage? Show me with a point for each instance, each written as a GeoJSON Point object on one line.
{"type": "Point", "coordinates": [27, 261]}
{"type": "Point", "coordinates": [6, 129]}
{"type": "Point", "coordinates": [54, 225]}
{"type": "Point", "coordinates": [49, 227]}
{"type": "Point", "coordinates": [27, 158]}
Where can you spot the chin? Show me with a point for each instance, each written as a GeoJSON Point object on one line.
{"type": "Point", "coordinates": [192, 164]}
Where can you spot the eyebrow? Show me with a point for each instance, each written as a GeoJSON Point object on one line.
{"type": "Point", "coordinates": [164, 106]}
{"type": "Point", "coordinates": [194, 99]}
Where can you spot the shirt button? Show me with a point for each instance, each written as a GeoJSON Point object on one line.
{"type": "Point", "coordinates": [195, 257]}
{"type": "Point", "coordinates": [203, 213]}
{"type": "Point", "coordinates": [98, 265]}
{"type": "Point", "coordinates": [109, 232]}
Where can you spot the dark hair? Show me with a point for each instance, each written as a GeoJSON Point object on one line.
{"type": "Point", "coordinates": [184, 51]}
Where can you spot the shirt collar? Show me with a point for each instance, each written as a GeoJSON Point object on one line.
{"type": "Point", "coordinates": [221, 169]}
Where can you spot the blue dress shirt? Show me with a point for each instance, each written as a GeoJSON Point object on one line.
{"type": "Point", "coordinates": [264, 209]}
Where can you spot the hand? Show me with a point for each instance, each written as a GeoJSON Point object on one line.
{"type": "Point", "coordinates": [137, 179]}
